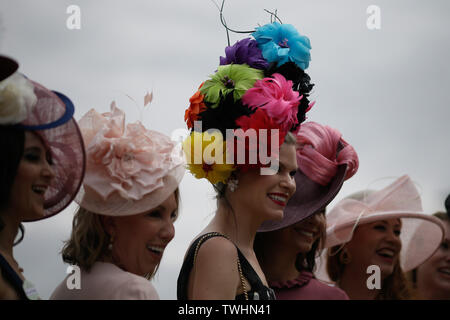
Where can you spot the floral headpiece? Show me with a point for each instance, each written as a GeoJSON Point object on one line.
{"type": "Point", "coordinates": [130, 169]}
{"type": "Point", "coordinates": [259, 84]}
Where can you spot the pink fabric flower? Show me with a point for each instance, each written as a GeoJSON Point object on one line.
{"type": "Point", "coordinates": [277, 97]}
{"type": "Point", "coordinates": [129, 160]}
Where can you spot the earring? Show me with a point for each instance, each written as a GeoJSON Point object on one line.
{"type": "Point", "coordinates": [344, 256]}
{"type": "Point", "coordinates": [233, 184]}
{"type": "Point", "coordinates": [111, 241]}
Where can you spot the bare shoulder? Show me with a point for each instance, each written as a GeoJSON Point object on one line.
{"type": "Point", "coordinates": [215, 273]}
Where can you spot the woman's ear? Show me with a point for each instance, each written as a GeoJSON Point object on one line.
{"type": "Point", "coordinates": [109, 225]}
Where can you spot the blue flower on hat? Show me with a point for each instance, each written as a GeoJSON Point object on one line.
{"type": "Point", "coordinates": [282, 43]}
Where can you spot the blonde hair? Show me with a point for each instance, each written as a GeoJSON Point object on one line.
{"type": "Point", "coordinates": [89, 241]}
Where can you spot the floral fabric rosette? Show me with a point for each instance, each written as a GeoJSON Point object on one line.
{"type": "Point", "coordinates": [130, 169]}
{"type": "Point", "coordinates": [259, 84]}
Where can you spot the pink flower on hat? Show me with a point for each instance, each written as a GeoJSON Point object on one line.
{"type": "Point", "coordinates": [129, 160]}
{"type": "Point", "coordinates": [276, 96]}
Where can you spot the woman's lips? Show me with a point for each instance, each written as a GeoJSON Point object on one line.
{"type": "Point", "coordinates": [279, 198]}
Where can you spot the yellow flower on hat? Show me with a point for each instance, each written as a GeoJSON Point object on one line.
{"type": "Point", "coordinates": [206, 156]}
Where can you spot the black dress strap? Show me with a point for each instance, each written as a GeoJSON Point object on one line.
{"type": "Point", "coordinates": [12, 278]}
{"type": "Point", "coordinates": [258, 290]}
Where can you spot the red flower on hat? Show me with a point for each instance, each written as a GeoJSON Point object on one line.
{"type": "Point", "coordinates": [196, 106]}
{"type": "Point", "coordinates": [257, 121]}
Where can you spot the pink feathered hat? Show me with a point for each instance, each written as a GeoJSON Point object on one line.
{"type": "Point", "coordinates": [420, 235]}
{"type": "Point", "coordinates": [324, 161]}
{"type": "Point", "coordinates": [129, 169]}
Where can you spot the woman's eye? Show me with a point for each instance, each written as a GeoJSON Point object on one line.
{"type": "Point", "coordinates": [154, 214]}
{"type": "Point", "coordinates": [174, 215]}
{"type": "Point", "coordinates": [397, 232]}
{"type": "Point", "coordinates": [380, 227]}
{"type": "Point", "coordinates": [444, 245]}
{"type": "Point", "coordinates": [32, 157]}
{"type": "Point", "coordinates": [292, 173]}
{"type": "Point", "coordinates": [49, 159]}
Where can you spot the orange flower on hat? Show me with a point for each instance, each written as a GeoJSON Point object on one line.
{"type": "Point", "coordinates": [197, 105]}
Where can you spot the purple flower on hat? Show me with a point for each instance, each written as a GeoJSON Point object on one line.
{"type": "Point", "coordinates": [245, 51]}
{"type": "Point", "coordinates": [282, 43]}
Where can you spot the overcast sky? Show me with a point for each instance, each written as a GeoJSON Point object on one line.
{"type": "Point", "coordinates": [386, 90]}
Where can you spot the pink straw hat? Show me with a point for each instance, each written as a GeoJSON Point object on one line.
{"type": "Point", "coordinates": [130, 169]}
{"type": "Point", "coordinates": [30, 106]}
{"type": "Point", "coordinates": [420, 235]}
{"type": "Point", "coordinates": [325, 161]}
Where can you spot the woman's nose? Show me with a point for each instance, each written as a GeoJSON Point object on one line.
{"type": "Point", "coordinates": [288, 183]}
{"type": "Point", "coordinates": [167, 231]}
{"type": "Point", "coordinates": [47, 171]}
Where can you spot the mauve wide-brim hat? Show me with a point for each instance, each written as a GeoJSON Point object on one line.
{"type": "Point", "coordinates": [309, 198]}
{"type": "Point", "coordinates": [421, 234]}
{"type": "Point", "coordinates": [29, 106]}
{"type": "Point", "coordinates": [51, 118]}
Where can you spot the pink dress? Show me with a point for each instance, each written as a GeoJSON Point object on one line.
{"type": "Point", "coordinates": [106, 281]}
{"type": "Point", "coordinates": [306, 287]}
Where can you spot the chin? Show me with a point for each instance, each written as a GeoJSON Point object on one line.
{"type": "Point", "coordinates": [273, 215]}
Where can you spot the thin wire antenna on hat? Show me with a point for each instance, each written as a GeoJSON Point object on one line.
{"type": "Point", "coordinates": [222, 20]}
{"type": "Point", "coordinates": [273, 15]}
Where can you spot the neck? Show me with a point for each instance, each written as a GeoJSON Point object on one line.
{"type": "Point", "coordinates": [284, 269]}
{"type": "Point", "coordinates": [354, 283]}
{"type": "Point", "coordinates": [8, 233]}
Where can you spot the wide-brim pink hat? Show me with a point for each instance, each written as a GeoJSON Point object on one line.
{"type": "Point", "coordinates": [420, 235]}
{"type": "Point", "coordinates": [130, 169]}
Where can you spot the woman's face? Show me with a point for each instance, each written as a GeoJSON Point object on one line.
{"type": "Point", "coordinates": [267, 195]}
{"type": "Point", "coordinates": [434, 274]}
{"type": "Point", "coordinates": [140, 240]}
{"type": "Point", "coordinates": [302, 235]}
{"type": "Point", "coordinates": [33, 178]}
{"type": "Point", "coordinates": [377, 243]}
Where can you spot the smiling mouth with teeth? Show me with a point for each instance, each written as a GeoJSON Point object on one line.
{"type": "Point", "coordinates": [445, 271]}
{"type": "Point", "coordinates": [278, 198]}
{"type": "Point", "coordinates": [386, 253]}
{"type": "Point", "coordinates": [39, 189]}
{"type": "Point", "coordinates": [157, 250]}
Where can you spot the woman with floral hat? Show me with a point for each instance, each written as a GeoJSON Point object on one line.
{"type": "Point", "coordinates": [41, 168]}
{"type": "Point", "coordinates": [287, 248]}
{"type": "Point", "coordinates": [375, 236]}
{"type": "Point", "coordinates": [128, 205]}
{"type": "Point", "coordinates": [242, 120]}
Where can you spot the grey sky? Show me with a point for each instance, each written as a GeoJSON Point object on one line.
{"type": "Point", "coordinates": [386, 90]}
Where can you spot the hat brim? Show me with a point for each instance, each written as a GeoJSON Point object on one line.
{"type": "Point", "coordinates": [309, 198]}
{"type": "Point", "coordinates": [423, 236]}
{"type": "Point", "coordinates": [7, 67]}
{"type": "Point", "coordinates": [51, 119]}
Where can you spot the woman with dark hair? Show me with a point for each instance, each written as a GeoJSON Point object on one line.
{"type": "Point", "coordinates": [41, 169]}
{"type": "Point", "coordinates": [256, 99]}
{"type": "Point", "coordinates": [287, 249]}
{"type": "Point", "coordinates": [373, 237]}
{"type": "Point", "coordinates": [128, 205]}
